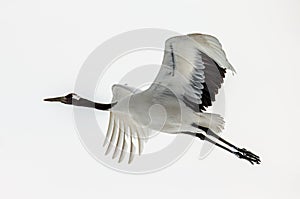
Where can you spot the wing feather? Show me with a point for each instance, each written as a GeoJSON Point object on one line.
{"type": "Point", "coordinates": [193, 69]}
{"type": "Point", "coordinates": [119, 141]}
{"type": "Point", "coordinates": [124, 134]}
{"type": "Point", "coordinates": [124, 147]}
{"type": "Point", "coordinates": [113, 137]}
{"type": "Point", "coordinates": [139, 141]}
{"type": "Point", "coordinates": [109, 130]}
{"type": "Point", "coordinates": [132, 147]}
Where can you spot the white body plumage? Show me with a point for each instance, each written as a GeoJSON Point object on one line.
{"type": "Point", "coordinates": [190, 76]}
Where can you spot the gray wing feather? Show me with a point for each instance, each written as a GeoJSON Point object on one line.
{"type": "Point", "coordinates": [193, 69]}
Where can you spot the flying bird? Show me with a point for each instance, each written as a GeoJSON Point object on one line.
{"type": "Point", "coordinates": [192, 71]}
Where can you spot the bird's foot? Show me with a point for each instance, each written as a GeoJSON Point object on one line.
{"type": "Point", "coordinates": [247, 155]}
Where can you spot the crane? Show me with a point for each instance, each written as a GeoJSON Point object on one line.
{"type": "Point", "coordinates": [192, 71]}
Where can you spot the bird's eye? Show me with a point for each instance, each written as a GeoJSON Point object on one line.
{"type": "Point", "coordinates": [69, 96]}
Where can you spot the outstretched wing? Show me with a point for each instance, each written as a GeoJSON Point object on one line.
{"type": "Point", "coordinates": [193, 69]}
{"type": "Point", "coordinates": [124, 135]}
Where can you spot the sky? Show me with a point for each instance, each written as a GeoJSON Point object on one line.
{"type": "Point", "coordinates": [44, 45]}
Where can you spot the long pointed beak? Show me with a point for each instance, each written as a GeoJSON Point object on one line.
{"type": "Point", "coordinates": [55, 99]}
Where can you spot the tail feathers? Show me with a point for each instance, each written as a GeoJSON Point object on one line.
{"type": "Point", "coordinates": [214, 122]}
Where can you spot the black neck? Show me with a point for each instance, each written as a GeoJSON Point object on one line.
{"type": "Point", "coordinates": [87, 103]}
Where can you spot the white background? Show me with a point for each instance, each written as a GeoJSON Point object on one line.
{"type": "Point", "coordinates": [43, 45]}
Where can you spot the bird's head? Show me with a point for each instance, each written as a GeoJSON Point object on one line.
{"type": "Point", "coordinates": [71, 98]}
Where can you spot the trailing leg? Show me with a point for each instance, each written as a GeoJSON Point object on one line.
{"type": "Point", "coordinates": [242, 150]}
{"type": "Point", "coordinates": [237, 153]}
